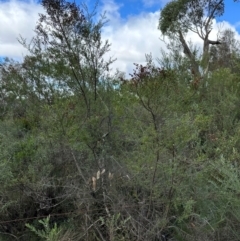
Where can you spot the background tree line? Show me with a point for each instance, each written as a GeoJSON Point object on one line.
{"type": "Point", "coordinates": [90, 156]}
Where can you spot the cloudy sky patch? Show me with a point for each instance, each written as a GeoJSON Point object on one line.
{"type": "Point", "coordinates": [132, 28]}
{"type": "Point", "coordinates": [17, 18]}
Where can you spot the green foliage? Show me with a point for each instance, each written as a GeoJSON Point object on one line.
{"type": "Point", "coordinates": [180, 15]}
{"type": "Point", "coordinates": [48, 233]}
{"type": "Point", "coordinates": [173, 12]}
{"type": "Point", "coordinates": [155, 157]}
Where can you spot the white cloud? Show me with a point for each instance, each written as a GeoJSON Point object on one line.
{"type": "Point", "coordinates": [112, 11]}
{"type": "Point", "coordinates": [17, 18]}
{"type": "Point", "coordinates": [131, 38]}
{"type": "Point", "coordinates": [151, 3]}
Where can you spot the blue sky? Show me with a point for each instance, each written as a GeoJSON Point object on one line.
{"type": "Point", "coordinates": [136, 7]}
{"type": "Point", "coordinates": [232, 13]}
{"type": "Point", "coordinates": [132, 28]}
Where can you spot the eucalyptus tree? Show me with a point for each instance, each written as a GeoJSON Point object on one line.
{"type": "Point", "coordinates": [180, 17]}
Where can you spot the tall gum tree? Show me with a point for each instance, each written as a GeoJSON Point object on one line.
{"type": "Point", "coordinates": [179, 17]}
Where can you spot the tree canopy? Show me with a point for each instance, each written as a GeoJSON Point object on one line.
{"type": "Point", "coordinates": [179, 17]}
